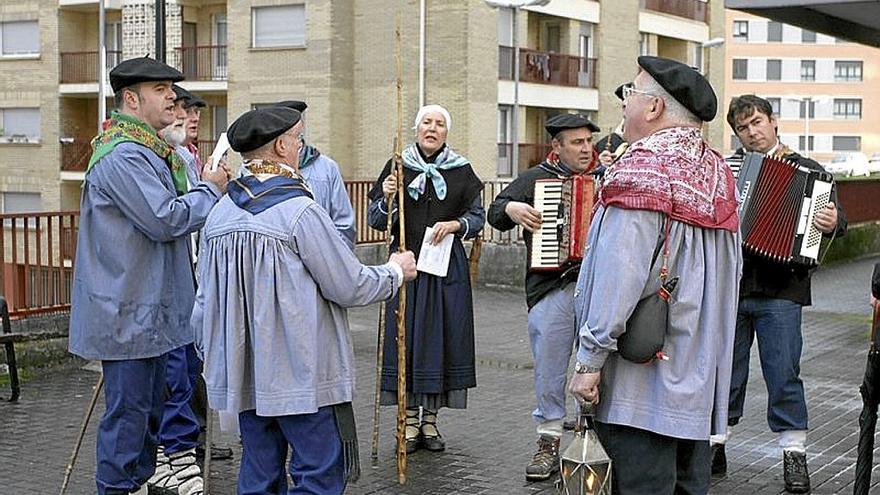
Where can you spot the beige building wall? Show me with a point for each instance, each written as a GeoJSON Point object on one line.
{"type": "Point", "coordinates": [824, 125]}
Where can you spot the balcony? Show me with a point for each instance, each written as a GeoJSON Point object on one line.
{"type": "Point", "coordinates": [75, 155]}
{"type": "Point", "coordinates": [696, 10]}
{"type": "Point", "coordinates": [200, 63]}
{"type": "Point", "coordinates": [82, 67]}
{"type": "Point", "coordinates": [547, 68]}
{"type": "Point", "coordinates": [530, 154]}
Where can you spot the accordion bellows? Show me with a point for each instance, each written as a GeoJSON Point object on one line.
{"type": "Point", "coordinates": [779, 200]}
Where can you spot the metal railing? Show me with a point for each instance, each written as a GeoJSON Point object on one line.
{"type": "Point", "coordinates": [38, 254]}
{"type": "Point", "coordinates": [691, 9]}
{"type": "Point", "coordinates": [357, 192]}
{"type": "Point", "coordinates": [201, 63]}
{"type": "Point", "coordinates": [82, 67]}
{"type": "Point", "coordinates": [547, 68]}
{"type": "Point", "coordinates": [75, 155]}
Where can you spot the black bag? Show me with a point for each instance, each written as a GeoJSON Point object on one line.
{"type": "Point", "coordinates": [645, 333]}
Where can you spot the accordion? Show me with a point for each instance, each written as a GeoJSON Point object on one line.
{"type": "Point", "coordinates": [565, 206]}
{"type": "Point", "coordinates": [778, 202]}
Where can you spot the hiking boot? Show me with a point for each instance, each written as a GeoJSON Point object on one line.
{"type": "Point", "coordinates": [188, 473]}
{"type": "Point", "coordinates": [795, 473]}
{"type": "Point", "coordinates": [412, 431]}
{"type": "Point", "coordinates": [545, 462]}
{"type": "Point", "coordinates": [719, 460]}
{"type": "Point", "coordinates": [163, 480]}
{"type": "Point", "coordinates": [431, 438]}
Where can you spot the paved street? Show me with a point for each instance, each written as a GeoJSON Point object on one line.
{"type": "Point", "coordinates": [490, 443]}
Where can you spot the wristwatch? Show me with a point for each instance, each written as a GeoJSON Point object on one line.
{"type": "Point", "coordinates": [581, 368]}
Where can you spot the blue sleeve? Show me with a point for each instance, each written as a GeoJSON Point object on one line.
{"type": "Point", "coordinates": [130, 180]}
{"type": "Point", "coordinates": [334, 267]}
{"type": "Point", "coordinates": [343, 213]}
{"type": "Point", "coordinates": [473, 220]}
{"type": "Point", "coordinates": [377, 214]}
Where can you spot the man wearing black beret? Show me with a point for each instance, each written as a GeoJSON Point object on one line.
{"type": "Point", "coordinates": [667, 210]}
{"type": "Point", "coordinates": [322, 175]}
{"type": "Point", "coordinates": [771, 296]}
{"type": "Point", "coordinates": [275, 278]}
{"type": "Point", "coordinates": [133, 285]}
{"type": "Point", "coordinates": [549, 293]}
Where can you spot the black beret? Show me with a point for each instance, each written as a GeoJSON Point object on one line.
{"type": "Point", "coordinates": [258, 127]}
{"type": "Point", "coordinates": [619, 91]}
{"type": "Point", "coordinates": [297, 105]}
{"type": "Point", "coordinates": [684, 83]}
{"type": "Point", "coordinates": [564, 121]}
{"type": "Point", "coordinates": [181, 94]}
{"type": "Point", "coordinates": [137, 70]}
{"type": "Point", "coordinates": [194, 101]}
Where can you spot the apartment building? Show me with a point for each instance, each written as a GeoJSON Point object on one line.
{"type": "Point", "coordinates": [824, 90]}
{"type": "Point", "coordinates": [339, 56]}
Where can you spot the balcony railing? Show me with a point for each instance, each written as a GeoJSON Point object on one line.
{"type": "Point", "coordinates": [529, 156]}
{"type": "Point", "coordinates": [38, 255]}
{"type": "Point", "coordinates": [691, 9]}
{"type": "Point", "coordinates": [201, 63]}
{"type": "Point", "coordinates": [547, 68]}
{"type": "Point", "coordinates": [82, 67]}
{"type": "Point", "coordinates": [75, 155]}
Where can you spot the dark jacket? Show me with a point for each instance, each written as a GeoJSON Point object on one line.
{"type": "Point", "coordinates": [766, 278]}
{"type": "Point", "coordinates": [538, 284]}
{"type": "Point", "coordinates": [875, 282]}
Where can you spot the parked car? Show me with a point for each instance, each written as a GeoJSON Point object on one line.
{"type": "Point", "coordinates": [849, 164]}
{"type": "Point", "coordinates": [874, 163]}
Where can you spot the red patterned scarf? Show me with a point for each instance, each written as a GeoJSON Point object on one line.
{"type": "Point", "coordinates": [675, 172]}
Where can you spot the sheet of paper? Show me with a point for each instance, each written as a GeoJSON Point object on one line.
{"type": "Point", "coordinates": [219, 150]}
{"type": "Point", "coordinates": [434, 259]}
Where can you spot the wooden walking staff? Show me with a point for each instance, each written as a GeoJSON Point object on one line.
{"type": "Point", "coordinates": [380, 345]}
{"type": "Point", "coordinates": [401, 294]}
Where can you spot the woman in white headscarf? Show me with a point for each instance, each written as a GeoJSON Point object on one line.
{"type": "Point", "coordinates": [442, 192]}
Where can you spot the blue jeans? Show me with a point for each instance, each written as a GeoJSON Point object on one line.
{"type": "Point", "coordinates": [134, 391]}
{"type": "Point", "coordinates": [777, 323]}
{"type": "Point", "coordinates": [316, 464]}
{"type": "Point", "coordinates": [180, 427]}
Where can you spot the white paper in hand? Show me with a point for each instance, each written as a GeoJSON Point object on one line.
{"type": "Point", "coordinates": [434, 259]}
{"type": "Point", "coordinates": [219, 150]}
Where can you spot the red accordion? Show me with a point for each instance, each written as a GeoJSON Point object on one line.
{"type": "Point", "coordinates": [778, 201]}
{"type": "Point", "coordinates": [565, 206]}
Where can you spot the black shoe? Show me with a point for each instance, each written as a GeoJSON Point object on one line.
{"type": "Point", "coordinates": [545, 462]}
{"type": "Point", "coordinates": [796, 474]}
{"type": "Point", "coordinates": [412, 432]}
{"type": "Point", "coordinates": [569, 425]}
{"type": "Point", "coordinates": [218, 453]}
{"type": "Point", "coordinates": [431, 438]}
{"type": "Point", "coordinates": [719, 460]}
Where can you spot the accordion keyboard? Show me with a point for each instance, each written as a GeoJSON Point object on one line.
{"type": "Point", "coordinates": [545, 241]}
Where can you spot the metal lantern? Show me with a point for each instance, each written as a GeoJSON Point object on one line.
{"type": "Point", "coordinates": [584, 467]}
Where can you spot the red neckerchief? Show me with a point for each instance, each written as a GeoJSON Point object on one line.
{"type": "Point", "coordinates": [674, 171]}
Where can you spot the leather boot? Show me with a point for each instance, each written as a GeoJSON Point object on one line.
{"type": "Point", "coordinates": [545, 462]}
{"type": "Point", "coordinates": [413, 433]}
{"type": "Point", "coordinates": [719, 460]}
{"type": "Point", "coordinates": [795, 472]}
{"type": "Point", "coordinates": [431, 438]}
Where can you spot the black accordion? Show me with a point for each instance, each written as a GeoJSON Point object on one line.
{"type": "Point", "coordinates": [778, 201]}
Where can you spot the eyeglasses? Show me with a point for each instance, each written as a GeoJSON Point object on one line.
{"type": "Point", "coordinates": [629, 90]}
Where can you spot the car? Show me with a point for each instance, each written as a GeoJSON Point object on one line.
{"type": "Point", "coordinates": [874, 163]}
{"type": "Point", "coordinates": [849, 164]}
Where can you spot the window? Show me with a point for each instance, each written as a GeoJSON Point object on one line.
{"type": "Point", "coordinates": [644, 44]}
{"type": "Point", "coordinates": [801, 143]}
{"type": "Point", "coordinates": [740, 68]}
{"type": "Point", "coordinates": [847, 71]}
{"type": "Point", "coordinates": [776, 104]}
{"type": "Point", "coordinates": [808, 70]}
{"type": "Point", "coordinates": [774, 70]}
{"type": "Point", "coordinates": [803, 106]}
{"type": "Point", "coordinates": [505, 27]}
{"type": "Point", "coordinates": [20, 202]}
{"type": "Point", "coordinates": [846, 143]}
{"type": "Point", "coordinates": [20, 125]}
{"type": "Point", "coordinates": [741, 30]}
{"type": "Point", "coordinates": [808, 36]}
{"type": "Point", "coordinates": [19, 38]}
{"type": "Point", "coordinates": [774, 32]}
{"type": "Point", "coordinates": [503, 167]}
{"type": "Point", "coordinates": [281, 26]}
{"type": "Point", "coordinates": [847, 108]}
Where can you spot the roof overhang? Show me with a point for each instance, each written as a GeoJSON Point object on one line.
{"type": "Point", "coordinates": [852, 21]}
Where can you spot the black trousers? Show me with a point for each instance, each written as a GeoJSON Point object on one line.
{"type": "Point", "coordinates": [644, 462]}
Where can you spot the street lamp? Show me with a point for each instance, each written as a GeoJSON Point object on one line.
{"type": "Point", "coordinates": [806, 100]}
{"type": "Point", "coordinates": [514, 128]}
